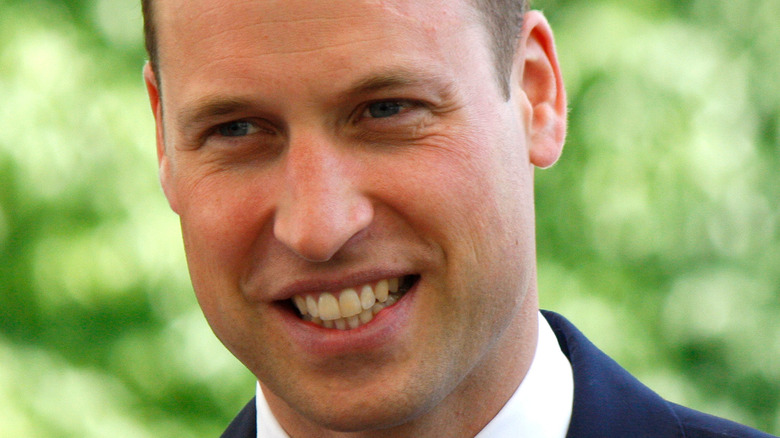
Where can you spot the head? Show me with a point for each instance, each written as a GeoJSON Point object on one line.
{"type": "Point", "coordinates": [316, 156]}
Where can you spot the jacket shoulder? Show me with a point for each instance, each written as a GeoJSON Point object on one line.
{"type": "Point", "coordinates": [244, 425]}
{"type": "Point", "coordinates": [700, 425]}
{"type": "Point", "coordinates": [608, 401]}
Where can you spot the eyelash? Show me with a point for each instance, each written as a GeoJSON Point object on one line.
{"type": "Point", "coordinates": [227, 126]}
{"type": "Point", "coordinates": [406, 106]}
{"type": "Point", "coordinates": [217, 130]}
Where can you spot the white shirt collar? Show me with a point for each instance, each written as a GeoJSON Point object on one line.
{"type": "Point", "coordinates": [267, 426]}
{"type": "Point", "coordinates": [540, 407]}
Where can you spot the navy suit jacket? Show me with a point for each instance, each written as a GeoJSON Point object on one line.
{"type": "Point", "coordinates": [608, 401]}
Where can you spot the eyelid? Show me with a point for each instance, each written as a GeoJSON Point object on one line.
{"type": "Point", "coordinates": [407, 105]}
{"type": "Point", "coordinates": [258, 125]}
{"type": "Point", "coordinates": [211, 132]}
{"type": "Point", "coordinates": [253, 127]}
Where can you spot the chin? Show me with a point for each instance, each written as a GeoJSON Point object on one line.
{"type": "Point", "coordinates": [365, 419]}
{"type": "Point", "coordinates": [365, 412]}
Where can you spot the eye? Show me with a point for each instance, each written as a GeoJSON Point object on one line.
{"type": "Point", "coordinates": [238, 128]}
{"type": "Point", "coordinates": [383, 109]}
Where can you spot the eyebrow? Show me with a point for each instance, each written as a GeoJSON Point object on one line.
{"type": "Point", "coordinates": [396, 78]}
{"type": "Point", "coordinates": [211, 106]}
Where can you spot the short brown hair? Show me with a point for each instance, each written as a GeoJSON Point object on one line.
{"type": "Point", "coordinates": [150, 34]}
{"type": "Point", "coordinates": [502, 18]}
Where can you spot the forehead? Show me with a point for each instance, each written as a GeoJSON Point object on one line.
{"type": "Point", "coordinates": [199, 32]}
{"type": "Point", "coordinates": [185, 11]}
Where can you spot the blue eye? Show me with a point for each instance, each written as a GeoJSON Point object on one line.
{"type": "Point", "coordinates": [383, 109]}
{"type": "Point", "coordinates": [237, 129]}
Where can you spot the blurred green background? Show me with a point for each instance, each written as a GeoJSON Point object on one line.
{"type": "Point", "coordinates": [659, 230]}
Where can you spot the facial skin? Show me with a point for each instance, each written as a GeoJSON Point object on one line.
{"type": "Point", "coordinates": [371, 142]}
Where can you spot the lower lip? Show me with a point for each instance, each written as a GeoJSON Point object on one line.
{"type": "Point", "coordinates": [380, 332]}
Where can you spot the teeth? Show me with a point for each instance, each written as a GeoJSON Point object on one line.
{"type": "Point", "coordinates": [349, 303]}
{"type": "Point", "coordinates": [366, 316]}
{"type": "Point", "coordinates": [300, 303]}
{"type": "Point", "coordinates": [329, 307]}
{"type": "Point", "coordinates": [377, 307]}
{"type": "Point", "coordinates": [349, 308]}
{"type": "Point", "coordinates": [381, 291]}
{"type": "Point", "coordinates": [367, 297]}
{"type": "Point", "coordinates": [312, 307]}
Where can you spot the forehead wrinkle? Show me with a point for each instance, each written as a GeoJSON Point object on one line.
{"type": "Point", "coordinates": [319, 48]}
{"type": "Point", "coordinates": [313, 19]}
{"type": "Point", "coordinates": [333, 22]}
{"type": "Point", "coordinates": [212, 18]}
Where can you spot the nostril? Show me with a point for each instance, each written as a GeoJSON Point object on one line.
{"type": "Point", "coordinates": [316, 229]}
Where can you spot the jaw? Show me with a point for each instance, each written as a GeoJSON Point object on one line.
{"type": "Point", "coordinates": [400, 391]}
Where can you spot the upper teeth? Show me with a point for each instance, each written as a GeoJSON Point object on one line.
{"type": "Point", "coordinates": [346, 303]}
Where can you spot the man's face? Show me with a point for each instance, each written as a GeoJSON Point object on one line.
{"type": "Point", "coordinates": [315, 149]}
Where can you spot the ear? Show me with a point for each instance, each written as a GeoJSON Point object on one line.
{"type": "Point", "coordinates": [163, 161]}
{"type": "Point", "coordinates": [537, 72]}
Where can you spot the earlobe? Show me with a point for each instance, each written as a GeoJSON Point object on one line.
{"type": "Point", "coordinates": [538, 74]}
{"type": "Point", "coordinates": [163, 162]}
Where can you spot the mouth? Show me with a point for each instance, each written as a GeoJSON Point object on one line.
{"type": "Point", "coordinates": [352, 307]}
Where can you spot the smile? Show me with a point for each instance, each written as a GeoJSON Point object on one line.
{"type": "Point", "coordinates": [352, 307]}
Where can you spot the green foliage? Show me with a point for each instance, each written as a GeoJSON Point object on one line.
{"type": "Point", "coordinates": [658, 229]}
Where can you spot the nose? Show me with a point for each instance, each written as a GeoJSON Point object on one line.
{"type": "Point", "coordinates": [322, 205]}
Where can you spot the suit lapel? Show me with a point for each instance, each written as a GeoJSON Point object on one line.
{"type": "Point", "coordinates": [245, 423]}
{"type": "Point", "coordinates": [608, 401]}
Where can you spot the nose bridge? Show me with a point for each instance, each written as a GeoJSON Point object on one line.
{"type": "Point", "coordinates": [322, 206]}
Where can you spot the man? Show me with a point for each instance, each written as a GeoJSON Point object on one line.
{"type": "Point", "coordinates": [354, 180]}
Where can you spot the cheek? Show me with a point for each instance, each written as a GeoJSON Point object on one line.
{"type": "Point", "coordinates": [467, 186]}
{"type": "Point", "coordinates": [222, 215]}
{"type": "Point", "coordinates": [472, 197]}
{"type": "Point", "coordinates": [221, 219]}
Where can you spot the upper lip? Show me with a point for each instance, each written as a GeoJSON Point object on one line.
{"type": "Point", "coordinates": [329, 284]}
